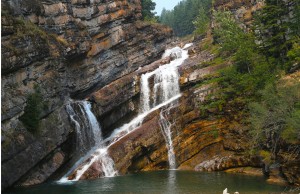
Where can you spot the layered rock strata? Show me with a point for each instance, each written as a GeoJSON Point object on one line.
{"type": "Point", "coordinates": [66, 49]}
{"type": "Point", "coordinates": [196, 139]}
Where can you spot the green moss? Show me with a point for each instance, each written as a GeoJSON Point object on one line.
{"type": "Point", "coordinates": [27, 28]}
{"type": "Point", "coordinates": [217, 61]}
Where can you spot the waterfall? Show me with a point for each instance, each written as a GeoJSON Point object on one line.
{"type": "Point", "coordinates": [107, 164]}
{"type": "Point", "coordinates": [165, 126]}
{"type": "Point", "coordinates": [85, 137]}
{"type": "Point", "coordinates": [97, 134]}
{"type": "Point", "coordinates": [89, 136]}
{"type": "Point", "coordinates": [164, 91]}
{"type": "Point", "coordinates": [145, 94]}
{"type": "Point", "coordinates": [165, 87]}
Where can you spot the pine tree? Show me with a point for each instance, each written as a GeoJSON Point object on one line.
{"type": "Point", "coordinates": [272, 25]}
{"type": "Point", "coordinates": [147, 9]}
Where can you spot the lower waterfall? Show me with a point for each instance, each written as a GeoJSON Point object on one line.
{"type": "Point", "coordinates": [89, 137]}
{"type": "Point", "coordinates": [166, 127]}
{"type": "Point", "coordinates": [164, 91]}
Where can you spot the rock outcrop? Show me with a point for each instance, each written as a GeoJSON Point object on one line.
{"type": "Point", "coordinates": [66, 49]}
{"type": "Point", "coordinates": [243, 11]}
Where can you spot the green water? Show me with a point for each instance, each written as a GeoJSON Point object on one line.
{"type": "Point", "coordinates": [161, 182]}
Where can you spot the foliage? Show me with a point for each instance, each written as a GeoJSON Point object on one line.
{"type": "Point", "coordinates": [249, 72]}
{"type": "Point", "coordinates": [201, 22]}
{"type": "Point", "coordinates": [267, 156]}
{"type": "Point", "coordinates": [27, 28]}
{"type": "Point", "coordinates": [32, 111]}
{"type": "Point", "coordinates": [234, 41]}
{"type": "Point", "coordinates": [276, 29]}
{"type": "Point", "coordinates": [294, 56]}
{"type": "Point", "coordinates": [277, 116]}
{"type": "Point", "coordinates": [295, 24]}
{"type": "Point", "coordinates": [251, 85]}
{"type": "Point", "coordinates": [182, 16]}
{"type": "Point", "coordinates": [148, 6]}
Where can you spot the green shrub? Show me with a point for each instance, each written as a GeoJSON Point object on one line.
{"type": "Point", "coordinates": [33, 110]}
{"type": "Point", "coordinates": [276, 117]}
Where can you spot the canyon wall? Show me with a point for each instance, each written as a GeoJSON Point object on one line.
{"type": "Point", "coordinates": [57, 51]}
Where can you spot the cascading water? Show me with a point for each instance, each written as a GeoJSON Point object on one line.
{"type": "Point", "coordinates": [164, 91]}
{"type": "Point", "coordinates": [93, 123]}
{"type": "Point", "coordinates": [93, 138]}
{"type": "Point", "coordinates": [165, 87]}
{"type": "Point", "coordinates": [166, 126]}
{"type": "Point", "coordinates": [85, 134]}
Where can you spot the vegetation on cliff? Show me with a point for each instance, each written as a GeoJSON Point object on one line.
{"type": "Point", "coordinates": [33, 110]}
{"type": "Point", "coordinates": [148, 7]}
{"type": "Point", "coordinates": [254, 82]}
{"type": "Point", "coordinates": [276, 117]}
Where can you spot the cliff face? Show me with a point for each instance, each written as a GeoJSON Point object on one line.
{"type": "Point", "coordinates": [67, 50]}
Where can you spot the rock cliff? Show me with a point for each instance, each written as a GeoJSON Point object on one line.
{"type": "Point", "coordinates": [59, 50]}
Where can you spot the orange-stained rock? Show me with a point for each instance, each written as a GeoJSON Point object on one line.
{"type": "Point", "coordinates": [97, 48]}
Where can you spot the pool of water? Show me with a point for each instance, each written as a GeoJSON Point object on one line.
{"type": "Point", "coordinates": [161, 182]}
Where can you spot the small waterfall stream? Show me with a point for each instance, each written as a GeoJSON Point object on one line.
{"type": "Point", "coordinates": [87, 133]}
{"type": "Point", "coordinates": [164, 91]}
{"type": "Point", "coordinates": [89, 137]}
{"type": "Point", "coordinates": [166, 127]}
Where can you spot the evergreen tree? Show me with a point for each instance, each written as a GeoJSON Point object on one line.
{"type": "Point", "coordinates": [272, 25]}
{"type": "Point", "coordinates": [148, 7]}
{"type": "Point", "coordinates": [202, 21]}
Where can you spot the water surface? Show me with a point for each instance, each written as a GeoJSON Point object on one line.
{"type": "Point", "coordinates": [161, 182]}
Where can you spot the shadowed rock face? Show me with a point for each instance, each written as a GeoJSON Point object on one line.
{"type": "Point", "coordinates": [68, 49]}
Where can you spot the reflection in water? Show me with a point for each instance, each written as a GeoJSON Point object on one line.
{"type": "Point", "coordinates": [172, 186]}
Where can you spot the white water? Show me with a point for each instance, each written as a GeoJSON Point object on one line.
{"type": "Point", "coordinates": [187, 45]}
{"type": "Point", "coordinates": [145, 94]}
{"type": "Point", "coordinates": [166, 87]}
{"type": "Point", "coordinates": [93, 123]}
{"type": "Point", "coordinates": [166, 126]}
{"type": "Point", "coordinates": [104, 159]}
{"type": "Point", "coordinates": [90, 124]}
